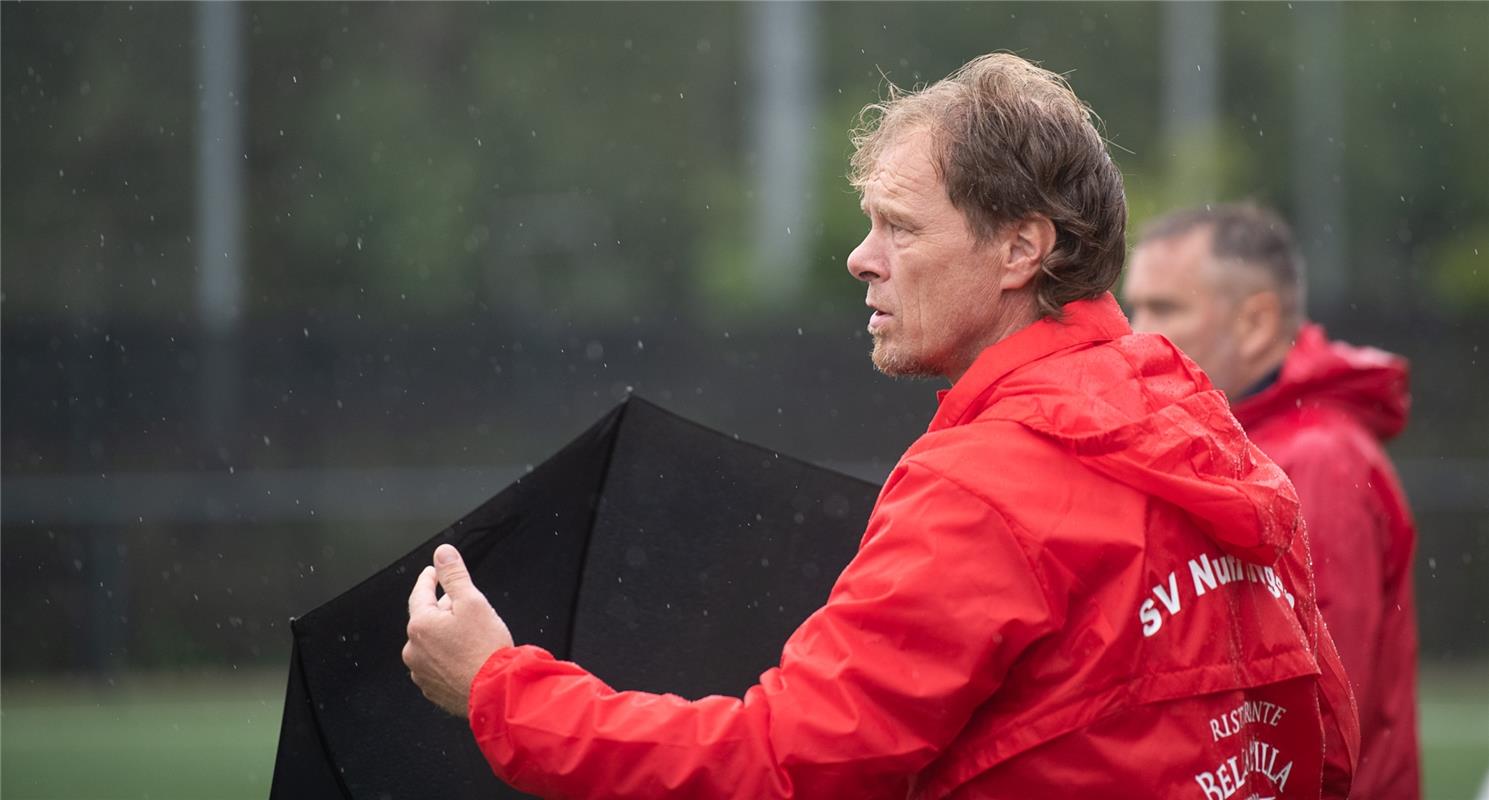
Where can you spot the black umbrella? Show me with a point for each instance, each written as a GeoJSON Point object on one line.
{"type": "Point", "coordinates": [659, 554]}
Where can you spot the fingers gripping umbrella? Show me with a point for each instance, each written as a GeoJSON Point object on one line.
{"type": "Point", "coordinates": [659, 554]}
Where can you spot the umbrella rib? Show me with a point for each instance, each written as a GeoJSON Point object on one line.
{"type": "Point", "coordinates": [320, 730]}
{"type": "Point", "coordinates": [590, 530]}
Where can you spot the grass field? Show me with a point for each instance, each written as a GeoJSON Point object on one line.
{"type": "Point", "coordinates": [211, 738]}
{"type": "Point", "coordinates": [148, 737]}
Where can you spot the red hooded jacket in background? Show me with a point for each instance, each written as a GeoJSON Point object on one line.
{"type": "Point", "coordinates": [1082, 581]}
{"type": "Point", "coordinates": [1324, 421]}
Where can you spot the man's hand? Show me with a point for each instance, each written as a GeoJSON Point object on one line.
{"type": "Point", "coordinates": [450, 638]}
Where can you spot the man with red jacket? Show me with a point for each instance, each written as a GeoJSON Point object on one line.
{"type": "Point", "coordinates": [1082, 581]}
{"type": "Point", "coordinates": [1225, 284]}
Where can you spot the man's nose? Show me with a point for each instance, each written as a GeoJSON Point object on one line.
{"type": "Point", "coordinates": [864, 263]}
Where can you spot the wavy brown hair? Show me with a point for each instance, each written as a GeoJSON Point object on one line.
{"type": "Point", "coordinates": [1014, 141]}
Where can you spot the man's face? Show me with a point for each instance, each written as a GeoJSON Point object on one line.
{"type": "Point", "coordinates": [1172, 288]}
{"type": "Point", "coordinates": [934, 289]}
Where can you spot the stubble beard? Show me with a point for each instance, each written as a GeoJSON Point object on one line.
{"type": "Point", "coordinates": [897, 364]}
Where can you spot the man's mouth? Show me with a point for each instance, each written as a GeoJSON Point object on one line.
{"type": "Point", "coordinates": [878, 320]}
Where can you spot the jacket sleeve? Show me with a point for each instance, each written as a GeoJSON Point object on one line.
{"type": "Point", "coordinates": [918, 631]}
{"type": "Point", "coordinates": [1347, 538]}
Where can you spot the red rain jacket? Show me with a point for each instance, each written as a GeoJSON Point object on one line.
{"type": "Point", "coordinates": [1082, 581]}
{"type": "Point", "coordinates": [1323, 422]}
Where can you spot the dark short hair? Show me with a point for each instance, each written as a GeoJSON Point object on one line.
{"type": "Point", "coordinates": [1015, 141]}
{"type": "Point", "coordinates": [1243, 234]}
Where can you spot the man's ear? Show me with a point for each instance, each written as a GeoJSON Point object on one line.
{"type": "Point", "coordinates": [1028, 242]}
{"type": "Point", "coordinates": [1258, 324]}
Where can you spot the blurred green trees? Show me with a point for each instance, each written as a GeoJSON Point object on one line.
{"type": "Point", "coordinates": [522, 156]}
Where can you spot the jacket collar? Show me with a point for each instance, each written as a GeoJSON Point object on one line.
{"type": "Point", "coordinates": [1096, 320]}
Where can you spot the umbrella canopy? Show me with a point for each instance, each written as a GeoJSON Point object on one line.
{"type": "Point", "coordinates": [661, 555]}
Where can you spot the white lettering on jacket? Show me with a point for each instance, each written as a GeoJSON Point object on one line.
{"type": "Point", "coordinates": [1247, 713]}
{"type": "Point", "coordinates": [1207, 575]}
{"type": "Point", "coordinates": [1149, 615]}
{"type": "Point", "coordinates": [1225, 569]}
{"type": "Point", "coordinates": [1230, 776]}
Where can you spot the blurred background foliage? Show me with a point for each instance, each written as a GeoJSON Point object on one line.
{"type": "Point", "coordinates": [467, 229]}
{"type": "Point", "coordinates": [497, 154]}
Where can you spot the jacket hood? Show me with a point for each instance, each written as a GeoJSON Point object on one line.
{"type": "Point", "coordinates": [1133, 408]}
{"type": "Point", "coordinates": [1367, 384]}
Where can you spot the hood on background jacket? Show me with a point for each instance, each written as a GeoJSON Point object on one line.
{"type": "Point", "coordinates": [1368, 384]}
